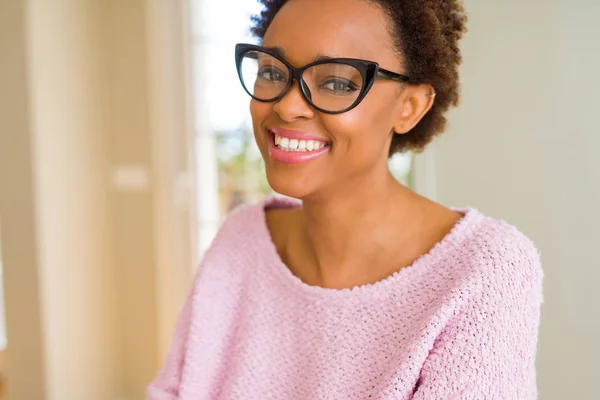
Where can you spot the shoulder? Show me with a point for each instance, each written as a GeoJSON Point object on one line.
{"type": "Point", "coordinates": [245, 227]}
{"type": "Point", "coordinates": [500, 243]}
{"type": "Point", "coordinates": [236, 245]}
{"type": "Point", "coordinates": [504, 257]}
{"type": "Point", "coordinates": [241, 224]}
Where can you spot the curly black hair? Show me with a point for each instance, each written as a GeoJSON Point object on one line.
{"type": "Point", "coordinates": [426, 34]}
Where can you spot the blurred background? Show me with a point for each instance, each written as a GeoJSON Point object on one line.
{"type": "Point", "coordinates": [125, 138]}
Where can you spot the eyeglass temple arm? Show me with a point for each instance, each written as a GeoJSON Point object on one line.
{"type": "Point", "coordinates": [385, 74]}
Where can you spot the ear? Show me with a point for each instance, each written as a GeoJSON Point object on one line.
{"type": "Point", "coordinates": [414, 102]}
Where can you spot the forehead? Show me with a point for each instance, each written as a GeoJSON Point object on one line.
{"type": "Point", "coordinates": [306, 29]}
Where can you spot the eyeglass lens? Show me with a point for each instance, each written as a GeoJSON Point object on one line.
{"type": "Point", "coordinates": [330, 86]}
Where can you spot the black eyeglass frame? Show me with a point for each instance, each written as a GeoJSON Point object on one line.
{"type": "Point", "coordinates": [369, 71]}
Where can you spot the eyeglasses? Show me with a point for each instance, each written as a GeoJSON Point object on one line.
{"type": "Point", "coordinates": [331, 85]}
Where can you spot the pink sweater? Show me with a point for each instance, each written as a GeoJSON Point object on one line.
{"type": "Point", "coordinates": [460, 323]}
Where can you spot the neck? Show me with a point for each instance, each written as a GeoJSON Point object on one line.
{"type": "Point", "coordinates": [356, 227]}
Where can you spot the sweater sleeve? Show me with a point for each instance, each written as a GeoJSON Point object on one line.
{"type": "Point", "coordinates": [488, 349]}
{"type": "Point", "coordinates": [166, 384]}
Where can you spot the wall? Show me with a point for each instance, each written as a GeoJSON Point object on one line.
{"type": "Point", "coordinates": [95, 265]}
{"type": "Point", "coordinates": [130, 148]}
{"type": "Point", "coordinates": [25, 356]}
{"type": "Point", "coordinates": [148, 132]}
{"type": "Point", "coordinates": [174, 159]}
{"type": "Point", "coordinates": [523, 147]}
{"type": "Point", "coordinates": [66, 81]}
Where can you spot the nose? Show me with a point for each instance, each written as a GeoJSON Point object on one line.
{"type": "Point", "coordinates": [293, 105]}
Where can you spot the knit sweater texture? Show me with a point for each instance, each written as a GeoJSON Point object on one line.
{"type": "Point", "coordinates": [461, 322]}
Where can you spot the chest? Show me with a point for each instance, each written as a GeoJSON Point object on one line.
{"type": "Point", "coordinates": [307, 351]}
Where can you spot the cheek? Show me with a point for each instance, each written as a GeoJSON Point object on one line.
{"type": "Point", "coordinates": [259, 111]}
{"type": "Point", "coordinates": [365, 129]}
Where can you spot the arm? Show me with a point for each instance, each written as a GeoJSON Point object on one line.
{"type": "Point", "coordinates": [488, 350]}
{"type": "Point", "coordinates": [166, 384]}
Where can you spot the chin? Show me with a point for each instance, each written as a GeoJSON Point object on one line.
{"type": "Point", "coordinates": [290, 184]}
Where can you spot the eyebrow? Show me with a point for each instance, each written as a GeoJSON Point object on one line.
{"type": "Point", "coordinates": [281, 53]}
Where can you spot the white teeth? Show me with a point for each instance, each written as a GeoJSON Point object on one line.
{"type": "Point", "coordinates": [297, 145]}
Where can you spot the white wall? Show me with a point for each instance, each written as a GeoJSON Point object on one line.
{"type": "Point", "coordinates": [95, 270]}
{"type": "Point", "coordinates": [172, 136]}
{"type": "Point", "coordinates": [67, 107]}
{"type": "Point", "coordinates": [524, 147]}
{"type": "Point", "coordinates": [24, 358]}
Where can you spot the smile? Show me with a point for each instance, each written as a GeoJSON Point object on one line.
{"type": "Point", "coordinates": [287, 144]}
{"type": "Point", "coordinates": [293, 147]}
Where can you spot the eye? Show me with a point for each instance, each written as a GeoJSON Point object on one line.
{"type": "Point", "coordinates": [338, 85]}
{"type": "Point", "coordinates": [271, 74]}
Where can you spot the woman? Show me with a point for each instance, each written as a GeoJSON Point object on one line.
{"type": "Point", "coordinates": [364, 289]}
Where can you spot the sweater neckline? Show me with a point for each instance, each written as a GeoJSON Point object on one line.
{"type": "Point", "coordinates": [457, 234]}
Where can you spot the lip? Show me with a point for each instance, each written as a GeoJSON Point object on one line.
{"type": "Point", "coordinates": [294, 157]}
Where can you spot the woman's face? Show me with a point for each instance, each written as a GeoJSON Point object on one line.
{"type": "Point", "coordinates": [357, 141]}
